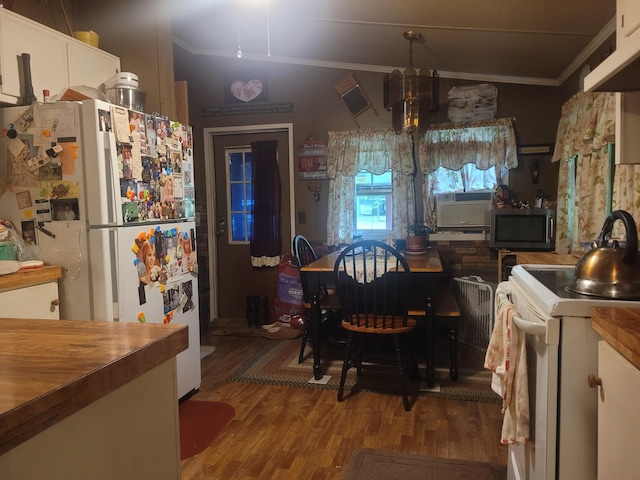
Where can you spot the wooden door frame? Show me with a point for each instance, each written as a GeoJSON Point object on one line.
{"type": "Point", "coordinates": [209, 135]}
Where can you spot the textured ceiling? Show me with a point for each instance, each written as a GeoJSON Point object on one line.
{"type": "Point", "coordinates": [522, 41]}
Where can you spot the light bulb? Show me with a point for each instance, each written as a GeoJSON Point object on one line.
{"type": "Point", "coordinates": [239, 53]}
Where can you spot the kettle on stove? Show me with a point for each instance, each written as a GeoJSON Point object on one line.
{"type": "Point", "coordinates": [608, 270]}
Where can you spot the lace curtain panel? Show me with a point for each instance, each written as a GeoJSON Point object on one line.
{"type": "Point", "coordinates": [376, 152]}
{"type": "Point", "coordinates": [488, 145]}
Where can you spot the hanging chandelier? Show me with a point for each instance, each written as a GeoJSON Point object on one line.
{"type": "Point", "coordinates": [411, 95]}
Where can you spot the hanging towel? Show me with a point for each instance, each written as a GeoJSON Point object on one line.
{"type": "Point", "coordinates": [506, 358]}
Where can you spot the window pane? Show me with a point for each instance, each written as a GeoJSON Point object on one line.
{"type": "Point", "coordinates": [373, 212]}
{"type": "Point", "coordinates": [238, 227]}
{"type": "Point", "coordinates": [240, 193]}
{"type": "Point", "coordinates": [237, 197]}
{"type": "Point", "coordinates": [373, 209]}
{"type": "Point", "coordinates": [247, 166]}
{"type": "Point", "coordinates": [249, 195]}
{"type": "Point", "coordinates": [235, 167]}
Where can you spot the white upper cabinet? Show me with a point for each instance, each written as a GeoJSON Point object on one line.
{"type": "Point", "coordinates": [620, 71]}
{"type": "Point", "coordinates": [627, 19]}
{"type": "Point", "coordinates": [57, 60]}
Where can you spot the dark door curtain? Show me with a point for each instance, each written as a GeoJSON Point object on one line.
{"type": "Point", "coordinates": [266, 240]}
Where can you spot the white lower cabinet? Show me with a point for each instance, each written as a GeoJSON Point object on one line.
{"type": "Point", "coordinates": [618, 416]}
{"type": "Point", "coordinates": [36, 301]}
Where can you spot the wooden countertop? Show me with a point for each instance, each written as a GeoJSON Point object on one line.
{"type": "Point", "coordinates": [620, 327]}
{"type": "Point", "coordinates": [427, 262]}
{"type": "Point", "coordinates": [546, 258]}
{"type": "Point", "coordinates": [26, 278]}
{"type": "Point", "coordinates": [50, 369]}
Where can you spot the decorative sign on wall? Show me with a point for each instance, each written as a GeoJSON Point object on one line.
{"type": "Point", "coordinates": [473, 102]}
{"type": "Point", "coordinates": [262, 108]}
{"type": "Point", "coordinates": [353, 96]}
{"type": "Point", "coordinates": [312, 158]}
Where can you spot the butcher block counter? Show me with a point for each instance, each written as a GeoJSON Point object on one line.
{"type": "Point", "coordinates": [620, 327]}
{"type": "Point", "coordinates": [89, 399]}
{"type": "Point", "coordinates": [27, 278]}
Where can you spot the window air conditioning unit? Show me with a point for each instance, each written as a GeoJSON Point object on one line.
{"type": "Point", "coordinates": [463, 210]}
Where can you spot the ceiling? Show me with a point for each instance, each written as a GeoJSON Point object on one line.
{"type": "Point", "coordinates": [537, 42]}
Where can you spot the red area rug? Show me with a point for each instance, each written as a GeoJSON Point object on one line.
{"type": "Point", "coordinates": [200, 423]}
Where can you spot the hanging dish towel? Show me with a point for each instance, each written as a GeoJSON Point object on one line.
{"type": "Point", "coordinates": [506, 358]}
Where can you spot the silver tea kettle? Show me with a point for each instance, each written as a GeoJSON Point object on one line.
{"type": "Point", "coordinates": [609, 270]}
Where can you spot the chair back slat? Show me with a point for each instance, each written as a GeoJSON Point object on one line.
{"type": "Point", "coordinates": [373, 285]}
{"type": "Point", "coordinates": [304, 253]}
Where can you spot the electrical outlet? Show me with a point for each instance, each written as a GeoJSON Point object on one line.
{"type": "Point", "coordinates": [302, 217]}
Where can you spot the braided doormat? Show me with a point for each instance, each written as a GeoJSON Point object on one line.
{"type": "Point", "coordinates": [277, 364]}
{"type": "Point", "coordinates": [372, 464]}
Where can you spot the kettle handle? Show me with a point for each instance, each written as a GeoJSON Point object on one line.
{"type": "Point", "coordinates": [631, 249]}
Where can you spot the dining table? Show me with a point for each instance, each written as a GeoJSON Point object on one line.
{"type": "Point", "coordinates": [425, 268]}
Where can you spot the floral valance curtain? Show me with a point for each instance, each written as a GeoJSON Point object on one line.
{"type": "Point", "coordinates": [586, 126]}
{"type": "Point", "coordinates": [487, 145]}
{"type": "Point", "coordinates": [484, 143]}
{"type": "Point", "coordinates": [376, 152]}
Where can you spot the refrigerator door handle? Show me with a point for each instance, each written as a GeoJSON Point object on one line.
{"type": "Point", "coordinates": [113, 179]}
{"type": "Point", "coordinates": [114, 274]}
{"type": "Point", "coordinates": [108, 182]}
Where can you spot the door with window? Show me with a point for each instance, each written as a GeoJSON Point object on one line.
{"type": "Point", "coordinates": [236, 279]}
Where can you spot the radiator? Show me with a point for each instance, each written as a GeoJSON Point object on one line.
{"type": "Point", "coordinates": [475, 299]}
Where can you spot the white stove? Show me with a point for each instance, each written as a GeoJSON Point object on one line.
{"type": "Point", "coordinates": [561, 352]}
{"type": "Point", "coordinates": [549, 284]}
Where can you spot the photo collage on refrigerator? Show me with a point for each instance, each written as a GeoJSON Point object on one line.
{"type": "Point", "coordinates": [155, 166]}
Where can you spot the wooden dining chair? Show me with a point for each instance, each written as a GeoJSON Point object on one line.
{"type": "Point", "coordinates": [329, 303]}
{"type": "Point", "coordinates": [373, 286]}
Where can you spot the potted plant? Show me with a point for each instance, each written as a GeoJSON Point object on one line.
{"type": "Point", "coordinates": [417, 234]}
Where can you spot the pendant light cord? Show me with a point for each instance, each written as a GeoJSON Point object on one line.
{"type": "Point", "coordinates": [268, 32]}
{"type": "Point", "coordinates": [239, 53]}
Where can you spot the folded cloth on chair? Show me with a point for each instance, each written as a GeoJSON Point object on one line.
{"type": "Point", "coordinates": [506, 357]}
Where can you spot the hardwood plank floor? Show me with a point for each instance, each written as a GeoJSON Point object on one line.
{"type": "Point", "coordinates": [292, 433]}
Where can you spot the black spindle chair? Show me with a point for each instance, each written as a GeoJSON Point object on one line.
{"type": "Point", "coordinates": [304, 253]}
{"type": "Point", "coordinates": [372, 282]}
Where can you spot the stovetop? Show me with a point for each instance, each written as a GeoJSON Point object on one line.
{"type": "Point", "coordinates": [547, 285]}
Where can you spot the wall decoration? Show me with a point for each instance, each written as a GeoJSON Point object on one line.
{"type": "Point", "coordinates": [469, 103]}
{"type": "Point", "coordinates": [312, 158]}
{"type": "Point", "coordinates": [65, 209]}
{"type": "Point", "coordinates": [353, 96]}
{"type": "Point", "coordinates": [250, 109]}
{"type": "Point", "coordinates": [245, 87]}
{"type": "Point", "coordinates": [541, 149]}
{"type": "Point", "coordinates": [29, 232]}
{"type": "Point", "coordinates": [24, 199]}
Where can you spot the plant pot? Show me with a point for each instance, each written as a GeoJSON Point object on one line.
{"type": "Point", "coordinates": [416, 243]}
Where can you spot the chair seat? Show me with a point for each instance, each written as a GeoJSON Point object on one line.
{"type": "Point", "coordinates": [387, 329]}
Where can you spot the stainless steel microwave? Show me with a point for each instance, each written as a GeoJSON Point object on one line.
{"type": "Point", "coordinates": [522, 229]}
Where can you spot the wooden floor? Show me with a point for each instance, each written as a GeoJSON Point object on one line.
{"type": "Point", "coordinates": [290, 433]}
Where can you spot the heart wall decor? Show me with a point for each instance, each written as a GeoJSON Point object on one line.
{"type": "Point", "coordinates": [246, 91]}
{"type": "Point", "coordinates": [245, 88]}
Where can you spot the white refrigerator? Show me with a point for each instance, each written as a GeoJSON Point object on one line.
{"type": "Point", "coordinates": [107, 193]}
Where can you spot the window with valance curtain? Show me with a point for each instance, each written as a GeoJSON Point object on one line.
{"type": "Point", "coordinates": [586, 127]}
{"type": "Point", "coordinates": [463, 157]}
{"type": "Point", "coordinates": [376, 152]}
